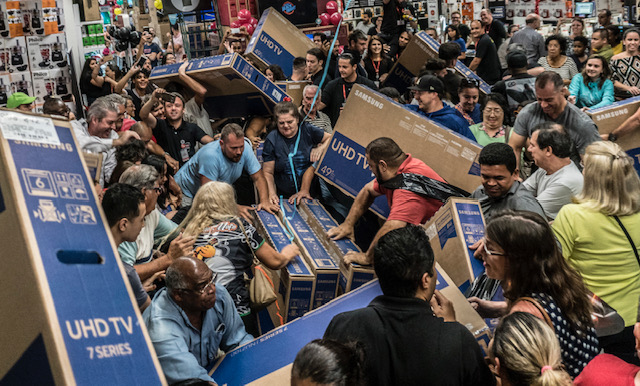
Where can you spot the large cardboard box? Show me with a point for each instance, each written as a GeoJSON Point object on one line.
{"type": "Point", "coordinates": [267, 360]}
{"type": "Point", "coordinates": [452, 230]}
{"type": "Point", "coordinates": [420, 49]}
{"type": "Point", "coordinates": [47, 52]}
{"type": "Point", "coordinates": [277, 41]}
{"type": "Point", "coordinates": [352, 275]}
{"type": "Point", "coordinates": [235, 88]}
{"type": "Point", "coordinates": [610, 117]}
{"type": "Point", "coordinates": [67, 313]}
{"type": "Point", "coordinates": [322, 264]}
{"type": "Point", "coordinates": [369, 115]}
{"type": "Point", "coordinates": [297, 281]}
{"type": "Point", "coordinates": [294, 89]}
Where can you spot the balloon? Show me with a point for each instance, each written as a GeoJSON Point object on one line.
{"type": "Point", "coordinates": [244, 15]}
{"type": "Point", "coordinates": [332, 7]}
{"type": "Point", "coordinates": [122, 46]}
{"type": "Point", "coordinates": [325, 19]}
{"type": "Point", "coordinates": [117, 11]}
{"type": "Point", "coordinates": [253, 21]}
{"type": "Point", "coordinates": [336, 18]}
{"type": "Point", "coordinates": [158, 4]}
{"type": "Point", "coordinates": [135, 37]}
{"type": "Point", "coordinates": [119, 2]}
{"type": "Point", "coordinates": [249, 28]}
{"type": "Point", "coordinates": [235, 24]}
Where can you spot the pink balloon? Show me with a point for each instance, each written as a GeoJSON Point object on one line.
{"type": "Point", "coordinates": [249, 28]}
{"type": "Point", "coordinates": [253, 21]}
{"type": "Point", "coordinates": [325, 19]}
{"type": "Point", "coordinates": [336, 18]}
{"type": "Point", "coordinates": [235, 24]}
{"type": "Point", "coordinates": [331, 7]}
{"type": "Point", "coordinates": [244, 16]}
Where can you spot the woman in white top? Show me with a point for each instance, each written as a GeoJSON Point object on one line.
{"type": "Point", "coordinates": [556, 60]}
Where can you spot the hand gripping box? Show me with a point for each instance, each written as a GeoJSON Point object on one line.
{"type": "Point", "coordinates": [235, 87]}
{"type": "Point", "coordinates": [352, 275]}
{"type": "Point", "coordinates": [610, 117]}
{"type": "Point", "coordinates": [297, 281]}
{"type": "Point", "coordinates": [452, 230]}
{"type": "Point", "coordinates": [67, 313]}
{"type": "Point", "coordinates": [420, 49]}
{"type": "Point", "coordinates": [277, 41]}
{"type": "Point", "coordinates": [369, 115]}
{"type": "Point", "coordinates": [321, 262]}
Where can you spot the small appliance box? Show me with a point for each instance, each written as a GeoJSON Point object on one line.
{"type": "Point", "coordinates": [465, 314]}
{"type": "Point", "coordinates": [344, 163]}
{"type": "Point", "coordinates": [235, 87]}
{"type": "Point", "coordinates": [5, 89]}
{"type": "Point", "coordinates": [452, 230]}
{"type": "Point", "coordinates": [277, 41]}
{"type": "Point", "coordinates": [57, 314]}
{"type": "Point", "coordinates": [297, 281]}
{"type": "Point", "coordinates": [352, 275]}
{"type": "Point", "coordinates": [55, 82]}
{"type": "Point", "coordinates": [47, 52]}
{"type": "Point", "coordinates": [294, 89]}
{"type": "Point", "coordinates": [321, 262]}
{"type": "Point", "coordinates": [21, 82]}
{"type": "Point", "coordinates": [613, 116]}
{"type": "Point", "coordinates": [420, 49]}
{"type": "Point", "coordinates": [17, 57]}
{"type": "Point", "coordinates": [267, 360]}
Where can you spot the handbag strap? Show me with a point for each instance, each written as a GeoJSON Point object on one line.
{"type": "Point", "coordinates": [633, 245]}
{"type": "Point", "coordinates": [537, 305]}
{"type": "Point", "coordinates": [246, 237]}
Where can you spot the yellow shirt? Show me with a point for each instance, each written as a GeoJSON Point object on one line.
{"type": "Point", "coordinates": [596, 246]}
{"type": "Point", "coordinates": [618, 49]}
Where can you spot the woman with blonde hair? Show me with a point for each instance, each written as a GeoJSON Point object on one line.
{"type": "Point", "coordinates": [600, 236]}
{"type": "Point", "coordinates": [525, 351]}
{"type": "Point", "coordinates": [226, 243]}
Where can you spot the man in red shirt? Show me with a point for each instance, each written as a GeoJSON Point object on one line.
{"type": "Point", "coordinates": [386, 160]}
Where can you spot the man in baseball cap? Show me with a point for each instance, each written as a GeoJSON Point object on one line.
{"type": "Point", "coordinates": [428, 92]}
{"type": "Point", "coordinates": [20, 101]}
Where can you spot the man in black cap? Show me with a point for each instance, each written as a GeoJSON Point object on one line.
{"type": "Point", "coordinates": [428, 92]}
{"type": "Point", "coordinates": [521, 86]}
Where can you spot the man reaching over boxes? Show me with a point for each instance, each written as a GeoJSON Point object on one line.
{"type": "Point", "coordinates": [390, 165]}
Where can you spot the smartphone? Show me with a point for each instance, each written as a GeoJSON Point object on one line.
{"type": "Point", "coordinates": [235, 30]}
{"type": "Point", "coordinates": [167, 97]}
{"type": "Point", "coordinates": [141, 61]}
{"type": "Point", "coordinates": [145, 29]}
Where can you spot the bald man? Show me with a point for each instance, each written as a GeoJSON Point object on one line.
{"type": "Point", "coordinates": [190, 319]}
{"type": "Point", "coordinates": [531, 39]}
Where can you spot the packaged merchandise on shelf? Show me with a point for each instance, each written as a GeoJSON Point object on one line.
{"type": "Point", "coordinates": [52, 83]}
{"type": "Point", "coordinates": [14, 19]}
{"type": "Point", "coordinates": [52, 17]}
{"type": "Point", "coordinates": [21, 82]}
{"type": "Point", "coordinates": [47, 52]}
{"type": "Point", "coordinates": [16, 49]}
{"type": "Point", "coordinates": [4, 57]}
{"type": "Point", "coordinates": [5, 89]}
{"type": "Point", "coordinates": [32, 16]}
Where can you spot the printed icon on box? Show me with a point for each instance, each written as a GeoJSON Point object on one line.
{"type": "Point", "coordinates": [81, 214]}
{"type": "Point", "coordinates": [47, 212]}
{"type": "Point", "coordinates": [78, 187]}
{"type": "Point", "coordinates": [39, 183]}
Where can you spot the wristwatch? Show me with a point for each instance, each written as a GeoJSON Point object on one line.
{"type": "Point", "coordinates": [613, 137]}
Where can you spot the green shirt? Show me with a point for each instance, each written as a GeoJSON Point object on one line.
{"type": "Point", "coordinates": [606, 52]}
{"type": "Point", "coordinates": [595, 245]}
{"type": "Point", "coordinates": [483, 138]}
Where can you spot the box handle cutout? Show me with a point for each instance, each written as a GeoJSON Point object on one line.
{"type": "Point", "coordinates": [79, 257]}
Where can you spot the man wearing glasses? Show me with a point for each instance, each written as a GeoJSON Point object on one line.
{"type": "Point", "coordinates": [463, 28]}
{"type": "Point", "coordinates": [190, 319]}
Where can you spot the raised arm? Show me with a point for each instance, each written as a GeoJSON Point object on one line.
{"type": "Point", "coordinates": [123, 82]}
{"type": "Point", "coordinates": [197, 88]}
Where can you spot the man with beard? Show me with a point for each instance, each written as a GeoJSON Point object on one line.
{"type": "Point", "coordinates": [176, 136]}
{"type": "Point", "coordinates": [386, 160]}
{"type": "Point", "coordinates": [224, 160]}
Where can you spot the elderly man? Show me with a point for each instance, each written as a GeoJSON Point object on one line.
{"type": "Point", "coordinates": [409, 334]}
{"type": "Point", "coordinates": [315, 117]}
{"type": "Point", "coordinates": [529, 38]}
{"type": "Point", "coordinates": [190, 319]}
{"type": "Point", "coordinates": [98, 134]}
{"type": "Point", "coordinates": [552, 106]}
{"type": "Point", "coordinates": [140, 253]}
{"type": "Point", "coordinates": [493, 27]}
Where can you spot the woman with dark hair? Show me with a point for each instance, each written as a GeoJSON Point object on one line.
{"type": "Point", "coordinates": [556, 60]}
{"type": "Point", "coordinates": [403, 40]}
{"type": "Point", "coordinates": [328, 362]}
{"type": "Point", "coordinates": [453, 35]}
{"type": "Point", "coordinates": [91, 83]}
{"type": "Point", "coordinates": [592, 88]}
{"type": "Point", "coordinates": [600, 237]}
{"type": "Point", "coordinates": [376, 61]}
{"type": "Point", "coordinates": [625, 67]}
{"type": "Point", "coordinates": [495, 121]}
{"type": "Point", "coordinates": [275, 73]}
{"type": "Point", "coordinates": [168, 58]}
{"type": "Point", "coordinates": [520, 250]}
{"type": "Point", "coordinates": [289, 151]}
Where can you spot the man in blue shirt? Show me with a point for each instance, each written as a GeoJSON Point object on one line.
{"type": "Point", "coordinates": [224, 160]}
{"type": "Point", "coordinates": [190, 319]}
{"type": "Point", "coordinates": [428, 92]}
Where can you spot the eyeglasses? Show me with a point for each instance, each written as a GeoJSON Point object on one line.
{"type": "Point", "coordinates": [204, 288]}
{"type": "Point", "coordinates": [488, 252]}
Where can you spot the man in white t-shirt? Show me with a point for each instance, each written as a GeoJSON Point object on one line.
{"type": "Point", "coordinates": [558, 178]}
